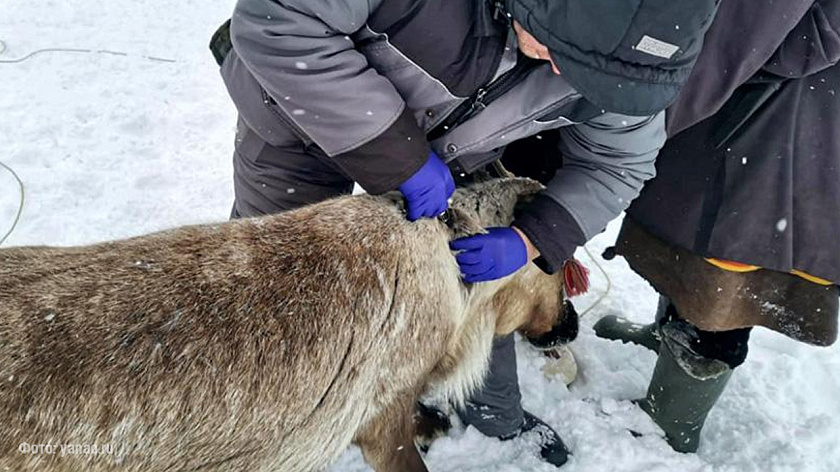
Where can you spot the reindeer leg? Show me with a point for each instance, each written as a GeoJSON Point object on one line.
{"type": "Point", "coordinates": [430, 423]}
{"type": "Point", "coordinates": [387, 442]}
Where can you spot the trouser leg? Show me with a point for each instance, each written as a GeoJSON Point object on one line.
{"type": "Point", "coordinates": [269, 179]}
{"type": "Point", "coordinates": [496, 409]}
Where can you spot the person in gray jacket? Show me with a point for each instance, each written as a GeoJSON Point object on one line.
{"type": "Point", "coordinates": [332, 92]}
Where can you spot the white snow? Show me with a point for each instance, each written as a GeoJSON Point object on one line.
{"type": "Point", "coordinates": [111, 146]}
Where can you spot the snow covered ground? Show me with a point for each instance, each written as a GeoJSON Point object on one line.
{"type": "Point", "coordinates": [112, 145]}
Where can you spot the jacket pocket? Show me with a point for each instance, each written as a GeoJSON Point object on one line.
{"type": "Point", "coordinates": [254, 107]}
{"type": "Point", "coordinates": [741, 107]}
{"type": "Point", "coordinates": [383, 57]}
{"type": "Point", "coordinates": [472, 149]}
{"type": "Point", "coordinates": [278, 112]}
{"type": "Point", "coordinates": [574, 111]}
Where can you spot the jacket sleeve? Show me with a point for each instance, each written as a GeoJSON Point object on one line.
{"type": "Point", "coordinates": [812, 46]}
{"type": "Point", "coordinates": [606, 161]}
{"type": "Point", "coordinates": [301, 54]}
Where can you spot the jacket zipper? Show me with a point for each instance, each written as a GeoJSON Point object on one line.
{"type": "Point", "coordinates": [484, 96]}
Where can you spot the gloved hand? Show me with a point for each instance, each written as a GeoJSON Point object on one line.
{"type": "Point", "coordinates": [427, 191]}
{"type": "Point", "coordinates": [490, 256]}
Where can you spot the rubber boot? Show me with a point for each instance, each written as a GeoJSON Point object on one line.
{"type": "Point", "coordinates": [684, 388]}
{"type": "Point", "coordinates": [619, 329]}
{"type": "Point", "coordinates": [645, 335]}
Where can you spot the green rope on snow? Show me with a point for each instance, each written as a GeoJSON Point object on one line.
{"type": "Point", "coordinates": [20, 207]}
{"type": "Point", "coordinates": [73, 50]}
{"type": "Point", "coordinates": [606, 276]}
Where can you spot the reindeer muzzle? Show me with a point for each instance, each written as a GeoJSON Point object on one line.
{"type": "Point", "coordinates": [563, 332]}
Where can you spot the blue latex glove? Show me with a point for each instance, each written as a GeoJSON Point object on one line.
{"type": "Point", "coordinates": [490, 256]}
{"type": "Point", "coordinates": [427, 191]}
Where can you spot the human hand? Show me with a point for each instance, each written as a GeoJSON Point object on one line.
{"type": "Point", "coordinates": [496, 254]}
{"type": "Point", "coordinates": [427, 192]}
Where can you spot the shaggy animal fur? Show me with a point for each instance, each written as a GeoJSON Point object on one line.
{"type": "Point", "coordinates": [264, 344]}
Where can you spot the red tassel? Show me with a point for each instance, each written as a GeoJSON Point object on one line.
{"type": "Point", "coordinates": [575, 278]}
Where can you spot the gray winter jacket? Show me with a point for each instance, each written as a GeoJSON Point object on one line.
{"type": "Point", "coordinates": [366, 80]}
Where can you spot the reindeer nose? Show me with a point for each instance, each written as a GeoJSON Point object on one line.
{"type": "Point", "coordinates": [563, 332]}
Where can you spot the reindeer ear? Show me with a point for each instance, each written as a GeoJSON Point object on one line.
{"type": "Point", "coordinates": [525, 188]}
{"type": "Point", "coordinates": [493, 171]}
{"type": "Point", "coordinates": [526, 191]}
{"type": "Point", "coordinates": [522, 201]}
{"type": "Point", "coordinates": [461, 224]}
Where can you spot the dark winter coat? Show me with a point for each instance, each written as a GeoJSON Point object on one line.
{"type": "Point", "coordinates": [364, 81]}
{"type": "Point", "coordinates": [758, 182]}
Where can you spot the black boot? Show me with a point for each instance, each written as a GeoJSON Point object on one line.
{"type": "Point", "coordinates": [552, 448]}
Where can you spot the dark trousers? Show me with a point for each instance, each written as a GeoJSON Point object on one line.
{"type": "Point", "coordinates": [270, 179]}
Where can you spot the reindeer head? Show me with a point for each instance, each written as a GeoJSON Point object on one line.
{"type": "Point", "coordinates": [529, 299]}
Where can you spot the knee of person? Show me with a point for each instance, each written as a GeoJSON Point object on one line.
{"type": "Point", "coordinates": [730, 347]}
{"type": "Point", "coordinates": [829, 332]}
{"type": "Point", "coordinates": [826, 340]}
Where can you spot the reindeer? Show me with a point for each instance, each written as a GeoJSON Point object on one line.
{"type": "Point", "coordinates": [263, 344]}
